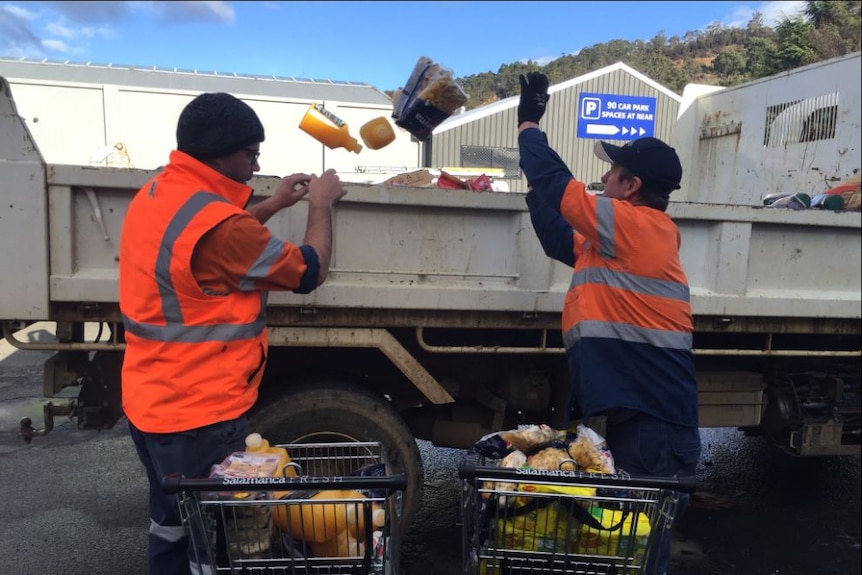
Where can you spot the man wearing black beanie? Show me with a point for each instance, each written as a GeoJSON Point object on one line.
{"type": "Point", "coordinates": [196, 263]}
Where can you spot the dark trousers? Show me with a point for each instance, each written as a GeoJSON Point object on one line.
{"type": "Point", "coordinates": [191, 453]}
{"type": "Point", "coordinates": [647, 446]}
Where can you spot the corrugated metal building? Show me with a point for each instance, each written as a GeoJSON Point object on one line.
{"type": "Point", "coordinates": [487, 137]}
{"type": "Point", "coordinates": [89, 114]}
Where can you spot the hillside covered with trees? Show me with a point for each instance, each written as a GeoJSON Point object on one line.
{"type": "Point", "coordinates": [719, 55]}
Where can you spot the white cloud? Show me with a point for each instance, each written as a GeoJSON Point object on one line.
{"type": "Point", "coordinates": [59, 28]}
{"type": "Point", "coordinates": [546, 60]}
{"type": "Point", "coordinates": [541, 60]}
{"type": "Point", "coordinates": [56, 46]}
{"type": "Point", "coordinates": [17, 39]}
{"type": "Point", "coordinates": [88, 12]}
{"type": "Point", "coordinates": [67, 26]}
{"type": "Point", "coordinates": [166, 12]}
{"type": "Point", "coordinates": [184, 12]}
{"type": "Point", "coordinates": [773, 13]}
{"type": "Point", "coordinates": [17, 12]}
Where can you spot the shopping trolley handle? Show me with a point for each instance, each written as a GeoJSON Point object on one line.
{"type": "Point", "coordinates": [176, 483]}
{"type": "Point", "coordinates": [687, 484]}
{"type": "Point", "coordinates": [469, 471]}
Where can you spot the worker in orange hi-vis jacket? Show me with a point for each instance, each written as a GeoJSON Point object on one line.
{"type": "Point", "coordinates": [627, 323]}
{"type": "Point", "coordinates": [196, 263]}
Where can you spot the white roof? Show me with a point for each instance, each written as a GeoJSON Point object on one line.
{"type": "Point", "coordinates": [192, 80]}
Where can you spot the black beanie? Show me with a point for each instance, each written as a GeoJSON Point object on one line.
{"type": "Point", "coordinates": [217, 124]}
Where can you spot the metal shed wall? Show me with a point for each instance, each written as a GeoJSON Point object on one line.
{"type": "Point", "coordinates": [495, 125]}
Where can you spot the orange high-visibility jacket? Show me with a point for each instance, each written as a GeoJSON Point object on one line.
{"type": "Point", "coordinates": [192, 359]}
{"type": "Point", "coordinates": [627, 270]}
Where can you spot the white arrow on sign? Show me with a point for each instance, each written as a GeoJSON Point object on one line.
{"type": "Point", "coordinates": [638, 131]}
{"type": "Point", "coordinates": [601, 129]}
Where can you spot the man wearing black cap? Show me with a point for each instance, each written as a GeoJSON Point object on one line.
{"type": "Point", "coordinates": [627, 324]}
{"type": "Point", "coordinates": [196, 263]}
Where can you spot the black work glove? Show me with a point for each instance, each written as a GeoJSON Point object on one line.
{"type": "Point", "coordinates": [534, 97]}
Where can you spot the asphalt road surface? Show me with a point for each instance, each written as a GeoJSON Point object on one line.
{"type": "Point", "coordinates": [74, 502]}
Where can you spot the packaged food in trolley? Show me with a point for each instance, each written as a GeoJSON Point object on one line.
{"type": "Point", "coordinates": [336, 511]}
{"type": "Point", "coordinates": [536, 500]}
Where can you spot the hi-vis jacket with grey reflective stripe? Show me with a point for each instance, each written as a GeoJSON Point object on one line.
{"type": "Point", "coordinates": [627, 323]}
{"type": "Point", "coordinates": [192, 359]}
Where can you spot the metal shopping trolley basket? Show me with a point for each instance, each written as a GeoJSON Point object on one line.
{"type": "Point", "coordinates": [533, 521]}
{"type": "Point", "coordinates": [341, 514]}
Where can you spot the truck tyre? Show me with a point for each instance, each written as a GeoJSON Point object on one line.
{"type": "Point", "coordinates": [331, 411]}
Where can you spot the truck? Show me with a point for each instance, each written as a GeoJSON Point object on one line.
{"type": "Point", "coordinates": [440, 318]}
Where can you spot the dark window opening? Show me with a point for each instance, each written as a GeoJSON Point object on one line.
{"type": "Point", "coordinates": [505, 159]}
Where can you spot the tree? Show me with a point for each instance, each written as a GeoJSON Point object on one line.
{"type": "Point", "coordinates": [837, 27]}
{"type": "Point", "coordinates": [760, 57]}
{"type": "Point", "coordinates": [730, 66]}
{"type": "Point", "coordinates": [821, 13]}
{"type": "Point", "coordinates": [756, 27]}
{"type": "Point", "coordinates": [793, 40]}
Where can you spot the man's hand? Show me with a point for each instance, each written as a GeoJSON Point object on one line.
{"type": "Point", "coordinates": [534, 97]}
{"type": "Point", "coordinates": [322, 191]}
{"type": "Point", "coordinates": [326, 189]}
{"type": "Point", "coordinates": [291, 189]}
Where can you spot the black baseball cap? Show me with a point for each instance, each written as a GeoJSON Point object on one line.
{"type": "Point", "coordinates": [650, 159]}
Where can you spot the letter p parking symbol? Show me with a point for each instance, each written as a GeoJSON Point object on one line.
{"type": "Point", "coordinates": [591, 108]}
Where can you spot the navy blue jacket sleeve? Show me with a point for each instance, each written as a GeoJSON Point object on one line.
{"type": "Point", "coordinates": [546, 172]}
{"type": "Point", "coordinates": [312, 270]}
{"type": "Point", "coordinates": [547, 175]}
{"type": "Point", "coordinates": [554, 232]}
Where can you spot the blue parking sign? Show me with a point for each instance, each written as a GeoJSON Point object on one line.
{"type": "Point", "coordinates": [615, 117]}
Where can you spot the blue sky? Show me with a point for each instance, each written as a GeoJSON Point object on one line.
{"type": "Point", "coordinates": [372, 42]}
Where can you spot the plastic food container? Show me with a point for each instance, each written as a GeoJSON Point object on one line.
{"type": "Point", "coordinates": [377, 133]}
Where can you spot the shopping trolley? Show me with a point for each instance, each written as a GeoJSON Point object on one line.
{"type": "Point", "coordinates": [534, 521]}
{"type": "Point", "coordinates": [340, 514]}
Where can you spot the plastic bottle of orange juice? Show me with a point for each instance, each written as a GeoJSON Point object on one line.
{"type": "Point", "coordinates": [248, 526]}
{"type": "Point", "coordinates": [322, 517]}
{"type": "Point", "coordinates": [342, 544]}
{"type": "Point", "coordinates": [356, 519]}
{"type": "Point", "coordinates": [328, 129]}
{"type": "Point", "coordinates": [254, 443]}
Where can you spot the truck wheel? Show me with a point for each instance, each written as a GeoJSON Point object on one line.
{"type": "Point", "coordinates": [331, 412]}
